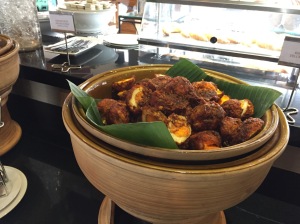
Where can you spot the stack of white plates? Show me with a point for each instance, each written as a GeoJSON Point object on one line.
{"type": "Point", "coordinates": [16, 188]}
{"type": "Point", "coordinates": [121, 41]}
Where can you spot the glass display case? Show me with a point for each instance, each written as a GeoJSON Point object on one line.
{"type": "Point", "coordinates": [241, 37]}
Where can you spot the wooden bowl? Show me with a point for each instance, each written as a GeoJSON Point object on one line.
{"type": "Point", "coordinates": [10, 131]}
{"type": "Point", "coordinates": [99, 86]}
{"type": "Point", "coordinates": [6, 44]}
{"type": "Point", "coordinates": [9, 67]}
{"type": "Point", "coordinates": [166, 192]}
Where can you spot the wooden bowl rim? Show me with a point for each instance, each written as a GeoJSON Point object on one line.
{"type": "Point", "coordinates": [13, 51]}
{"type": "Point", "coordinates": [8, 43]}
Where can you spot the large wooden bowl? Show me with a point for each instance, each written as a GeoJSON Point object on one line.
{"type": "Point", "coordinates": [99, 87]}
{"type": "Point", "coordinates": [166, 192]}
{"type": "Point", "coordinates": [10, 131]}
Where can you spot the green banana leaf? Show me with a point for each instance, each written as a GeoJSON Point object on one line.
{"type": "Point", "coordinates": [153, 134]}
{"type": "Point", "coordinates": [156, 134]}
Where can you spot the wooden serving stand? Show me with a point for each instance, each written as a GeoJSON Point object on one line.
{"type": "Point", "coordinates": [10, 131]}
{"type": "Point", "coordinates": [107, 214]}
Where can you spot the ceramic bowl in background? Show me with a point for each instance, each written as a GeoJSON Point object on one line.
{"type": "Point", "coordinates": [92, 22]}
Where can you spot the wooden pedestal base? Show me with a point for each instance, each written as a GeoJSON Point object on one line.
{"type": "Point", "coordinates": [107, 213]}
{"type": "Point", "coordinates": [10, 133]}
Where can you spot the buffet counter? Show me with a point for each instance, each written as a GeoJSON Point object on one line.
{"type": "Point", "coordinates": [57, 190]}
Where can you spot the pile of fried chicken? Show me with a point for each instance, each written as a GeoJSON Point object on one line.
{"type": "Point", "coordinates": [198, 115]}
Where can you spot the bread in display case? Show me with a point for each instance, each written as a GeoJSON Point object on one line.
{"type": "Point", "coordinates": [244, 34]}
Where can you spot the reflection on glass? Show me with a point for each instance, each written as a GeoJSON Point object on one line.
{"type": "Point", "coordinates": [33, 58]}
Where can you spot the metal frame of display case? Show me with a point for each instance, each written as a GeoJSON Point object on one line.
{"type": "Point", "coordinates": [187, 47]}
{"type": "Point", "coordinates": [235, 4]}
{"type": "Point", "coordinates": [232, 4]}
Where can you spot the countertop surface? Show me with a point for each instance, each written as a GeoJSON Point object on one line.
{"type": "Point", "coordinates": [59, 193]}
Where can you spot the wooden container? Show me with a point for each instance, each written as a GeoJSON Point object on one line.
{"type": "Point", "coordinates": [10, 131]}
{"type": "Point", "coordinates": [165, 191]}
{"type": "Point", "coordinates": [9, 67]}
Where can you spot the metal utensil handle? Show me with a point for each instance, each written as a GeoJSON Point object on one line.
{"type": "Point", "coordinates": [1, 122]}
{"type": "Point", "coordinates": [4, 174]}
{"type": "Point", "coordinates": [3, 180]}
{"type": "Point", "coordinates": [2, 184]}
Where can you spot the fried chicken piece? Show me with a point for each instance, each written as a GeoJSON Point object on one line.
{"type": "Point", "coordinates": [123, 84]}
{"type": "Point", "coordinates": [156, 83]}
{"type": "Point", "coordinates": [105, 104]}
{"type": "Point", "coordinates": [113, 111]}
{"type": "Point", "coordinates": [171, 95]}
{"type": "Point", "coordinates": [159, 81]}
{"type": "Point", "coordinates": [188, 111]}
{"type": "Point", "coordinates": [145, 82]}
{"type": "Point", "coordinates": [248, 108]}
{"type": "Point", "coordinates": [208, 90]}
{"type": "Point", "coordinates": [179, 128]}
{"type": "Point", "coordinates": [235, 131]}
{"type": "Point", "coordinates": [206, 116]}
{"type": "Point", "coordinates": [182, 87]}
{"type": "Point", "coordinates": [229, 130]}
{"type": "Point", "coordinates": [205, 140]}
{"type": "Point", "coordinates": [238, 108]}
{"type": "Point", "coordinates": [137, 97]}
{"type": "Point", "coordinates": [119, 88]}
{"type": "Point", "coordinates": [149, 114]}
{"type": "Point", "coordinates": [179, 85]}
{"type": "Point", "coordinates": [251, 126]}
{"type": "Point", "coordinates": [168, 102]}
{"type": "Point", "coordinates": [233, 108]}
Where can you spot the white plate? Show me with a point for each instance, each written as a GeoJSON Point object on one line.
{"type": "Point", "coordinates": [121, 39]}
{"type": "Point", "coordinates": [13, 187]}
{"type": "Point", "coordinates": [19, 196]}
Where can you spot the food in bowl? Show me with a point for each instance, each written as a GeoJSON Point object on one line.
{"type": "Point", "coordinates": [192, 112]}
{"type": "Point", "coordinates": [101, 87]}
{"type": "Point", "coordinates": [89, 5]}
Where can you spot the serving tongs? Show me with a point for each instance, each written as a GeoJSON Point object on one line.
{"type": "Point", "coordinates": [3, 181]}
{"type": "Point", "coordinates": [74, 46]}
